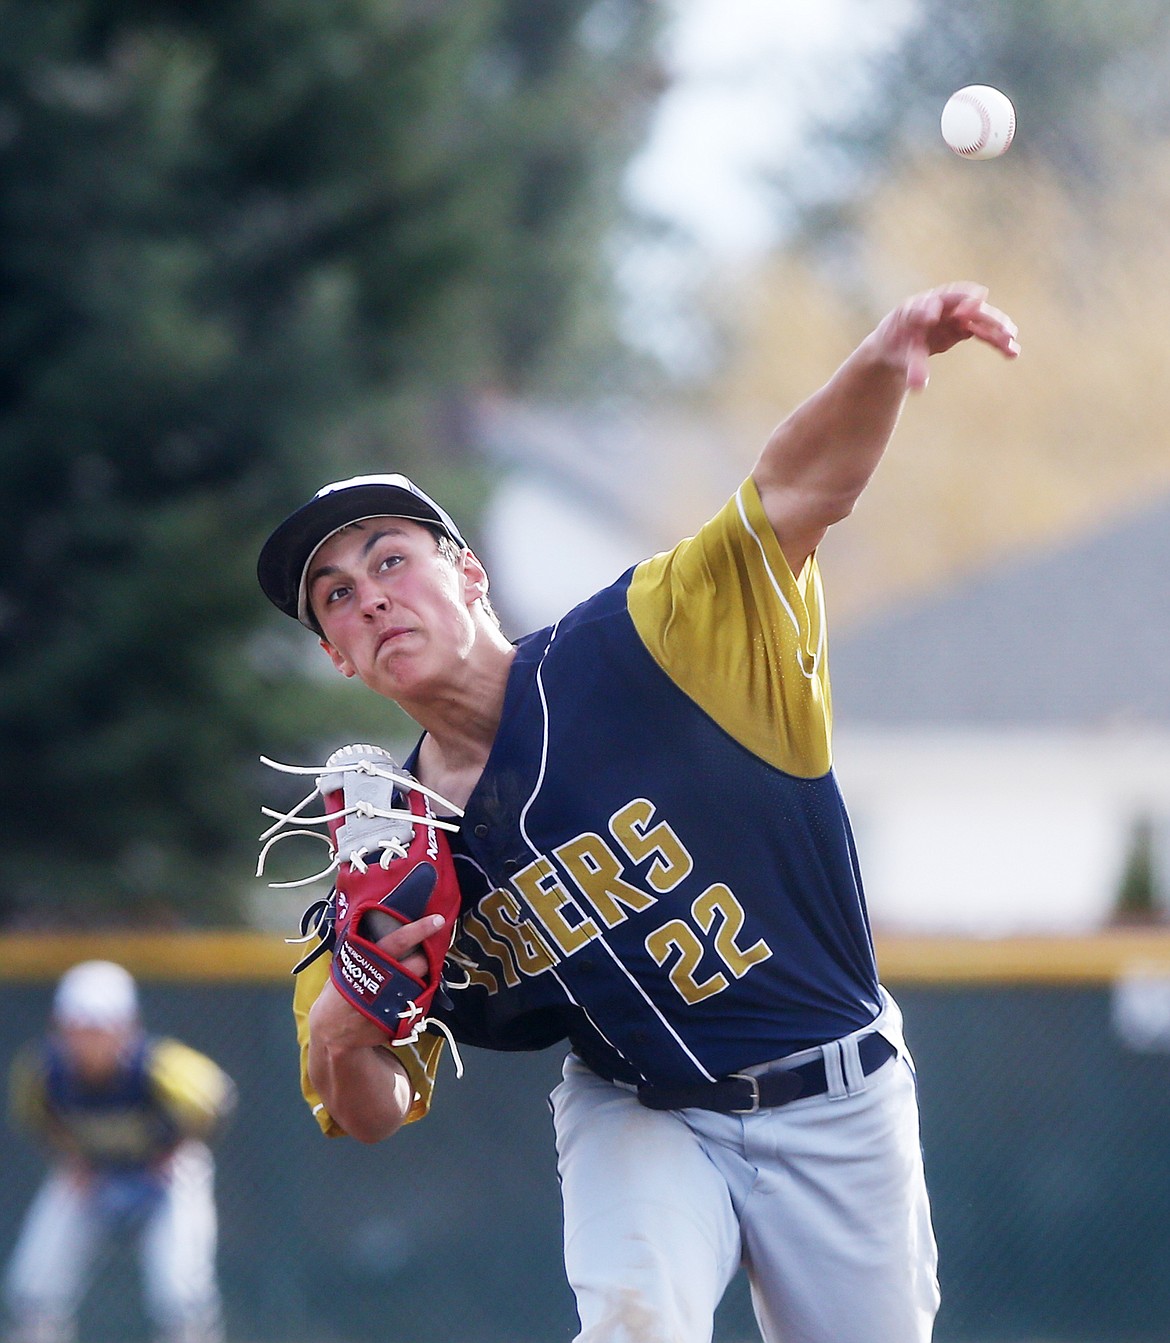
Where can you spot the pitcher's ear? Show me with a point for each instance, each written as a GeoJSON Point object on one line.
{"type": "Point", "coordinates": [475, 577]}
{"type": "Point", "coordinates": [339, 660]}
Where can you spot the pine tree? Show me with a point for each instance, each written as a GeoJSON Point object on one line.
{"type": "Point", "coordinates": [245, 247]}
{"type": "Point", "coordinates": [1137, 895]}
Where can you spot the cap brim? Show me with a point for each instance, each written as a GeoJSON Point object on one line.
{"type": "Point", "coordinates": [288, 550]}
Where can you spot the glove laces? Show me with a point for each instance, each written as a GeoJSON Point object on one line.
{"type": "Point", "coordinates": [389, 840]}
{"type": "Point", "coordinates": [372, 829]}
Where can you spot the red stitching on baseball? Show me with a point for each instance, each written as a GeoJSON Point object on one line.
{"type": "Point", "coordinates": [984, 122]}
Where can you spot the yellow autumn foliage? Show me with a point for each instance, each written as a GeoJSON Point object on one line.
{"type": "Point", "coordinates": [993, 458]}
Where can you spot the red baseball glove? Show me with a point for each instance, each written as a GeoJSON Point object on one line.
{"type": "Point", "coordinates": [393, 867]}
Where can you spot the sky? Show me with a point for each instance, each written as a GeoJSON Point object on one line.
{"type": "Point", "coordinates": [746, 76]}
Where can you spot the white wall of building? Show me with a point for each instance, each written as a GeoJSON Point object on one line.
{"type": "Point", "coordinates": [992, 832]}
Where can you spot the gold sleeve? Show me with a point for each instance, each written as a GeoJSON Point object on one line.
{"type": "Point", "coordinates": [742, 636]}
{"type": "Point", "coordinates": [27, 1106]}
{"type": "Point", "coordinates": [194, 1091]}
{"type": "Point", "coordinates": [421, 1059]}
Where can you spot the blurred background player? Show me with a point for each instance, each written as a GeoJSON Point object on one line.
{"type": "Point", "coordinates": [125, 1118]}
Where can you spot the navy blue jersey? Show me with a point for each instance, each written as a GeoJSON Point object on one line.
{"type": "Point", "coordinates": [636, 876]}
{"type": "Point", "coordinates": [163, 1092]}
{"type": "Point", "coordinates": [656, 861]}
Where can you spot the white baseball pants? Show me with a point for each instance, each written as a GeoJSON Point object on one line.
{"type": "Point", "coordinates": [823, 1201]}
{"type": "Point", "coordinates": [62, 1232]}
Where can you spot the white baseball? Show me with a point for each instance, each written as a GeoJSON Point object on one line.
{"type": "Point", "coordinates": [979, 122]}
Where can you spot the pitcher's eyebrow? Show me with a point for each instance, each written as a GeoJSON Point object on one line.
{"type": "Point", "coordinates": [328, 570]}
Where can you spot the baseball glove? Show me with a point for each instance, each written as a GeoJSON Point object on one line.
{"type": "Point", "coordinates": [393, 866]}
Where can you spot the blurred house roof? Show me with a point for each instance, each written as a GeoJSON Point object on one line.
{"type": "Point", "coordinates": [1076, 635]}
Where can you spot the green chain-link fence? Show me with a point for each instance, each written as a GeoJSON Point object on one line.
{"type": "Point", "coordinates": [1046, 1125]}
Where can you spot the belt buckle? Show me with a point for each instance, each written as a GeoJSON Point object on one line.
{"type": "Point", "coordinates": [754, 1083]}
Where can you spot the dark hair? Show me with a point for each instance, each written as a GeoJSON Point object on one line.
{"type": "Point", "coordinates": [450, 550]}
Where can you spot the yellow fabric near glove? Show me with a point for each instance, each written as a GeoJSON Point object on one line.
{"type": "Point", "coordinates": [421, 1059]}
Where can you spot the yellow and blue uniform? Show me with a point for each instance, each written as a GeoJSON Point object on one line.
{"type": "Point", "coordinates": [656, 862]}
{"type": "Point", "coordinates": [128, 1154]}
{"type": "Point", "coordinates": [658, 859]}
{"type": "Point", "coordinates": [657, 866]}
{"type": "Point", "coordinates": [164, 1092]}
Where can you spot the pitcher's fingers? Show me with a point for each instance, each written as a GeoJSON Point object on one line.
{"type": "Point", "coordinates": [404, 943]}
{"type": "Point", "coordinates": [995, 328]}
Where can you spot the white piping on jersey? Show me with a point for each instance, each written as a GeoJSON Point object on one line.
{"type": "Point", "coordinates": [808, 672]}
{"type": "Point", "coordinates": [573, 899]}
{"type": "Point", "coordinates": [552, 969]}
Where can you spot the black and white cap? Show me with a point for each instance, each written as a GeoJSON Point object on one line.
{"type": "Point", "coordinates": [285, 557]}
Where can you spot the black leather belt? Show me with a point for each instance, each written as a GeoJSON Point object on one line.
{"type": "Point", "coordinates": [745, 1093]}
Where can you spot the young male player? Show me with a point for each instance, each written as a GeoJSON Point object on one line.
{"type": "Point", "coordinates": [125, 1118]}
{"type": "Point", "coordinates": [657, 866]}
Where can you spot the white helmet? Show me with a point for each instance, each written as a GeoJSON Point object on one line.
{"type": "Point", "coordinates": [96, 993]}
